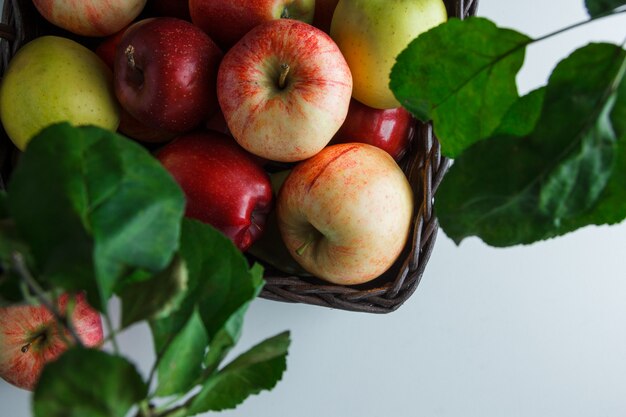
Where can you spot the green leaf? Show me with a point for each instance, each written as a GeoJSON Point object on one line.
{"type": "Point", "coordinates": [509, 190]}
{"type": "Point", "coordinates": [220, 287]}
{"type": "Point", "coordinates": [256, 370]}
{"type": "Point", "coordinates": [460, 75]}
{"type": "Point", "coordinates": [94, 205]}
{"type": "Point", "coordinates": [523, 115]}
{"type": "Point", "coordinates": [598, 7]}
{"type": "Point", "coordinates": [181, 363]}
{"type": "Point", "coordinates": [220, 278]}
{"type": "Point", "coordinates": [155, 297]}
{"type": "Point", "coordinates": [88, 383]}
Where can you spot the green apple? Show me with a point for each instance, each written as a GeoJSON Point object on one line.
{"type": "Point", "coordinates": [53, 79]}
{"type": "Point", "coordinates": [371, 34]}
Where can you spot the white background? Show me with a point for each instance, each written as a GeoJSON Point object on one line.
{"type": "Point", "coordinates": [526, 331]}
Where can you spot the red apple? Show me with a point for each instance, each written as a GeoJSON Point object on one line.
{"type": "Point", "coordinates": [223, 184]}
{"type": "Point", "coordinates": [90, 17]}
{"type": "Point", "coordinates": [388, 129]}
{"type": "Point", "coordinates": [29, 337]}
{"type": "Point", "coordinates": [324, 10]}
{"type": "Point", "coordinates": [345, 214]}
{"type": "Point", "coordinates": [284, 90]}
{"type": "Point", "coordinates": [134, 129]}
{"type": "Point", "coordinates": [165, 74]}
{"type": "Point", "coordinates": [227, 21]}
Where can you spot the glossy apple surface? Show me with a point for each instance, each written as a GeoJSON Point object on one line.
{"type": "Point", "coordinates": [30, 338]}
{"type": "Point", "coordinates": [53, 79]}
{"type": "Point", "coordinates": [223, 184]}
{"type": "Point", "coordinates": [371, 34]}
{"type": "Point", "coordinates": [388, 129]}
{"type": "Point", "coordinates": [345, 213]}
{"type": "Point", "coordinates": [90, 17]}
{"type": "Point", "coordinates": [228, 21]}
{"type": "Point", "coordinates": [284, 90]}
{"type": "Point", "coordinates": [165, 74]}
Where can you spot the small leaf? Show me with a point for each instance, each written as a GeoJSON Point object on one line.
{"type": "Point", "coordinates": [86, 382]}
{"type": "Point", "coordinates": [93, 205]}
{"type": "Point", "coordinates": [154, 297]}
{"type": "Point", "coordinates": [509, 190]}
{"type": "Point", "coordinates": [224, 340]}
{"type": "Point", "coordinates": [256, 370]}
{"type": "Point", "coordinates": [460, 75]}
{"type": "Point", "coordinates": [181, 363]}
{"type": "Point", "coordinates": [598, 7]}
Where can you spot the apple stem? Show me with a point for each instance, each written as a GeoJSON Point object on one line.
{"type": "Point", "coordinates": [26, 347]}
{"type": "Point", "coordinates": [285, 14]}
{"type": "Point", "coordinates": [300, 251]}
{"type": "Point", "coordinates": [284, 71]}
{"type": "Point", "coordinates": [20, 267]}
{"type": "Point", "coordinates": [130, 56]}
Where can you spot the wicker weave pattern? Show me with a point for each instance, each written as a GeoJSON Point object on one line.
{"type": "Point", "coordinates": [423, 165]}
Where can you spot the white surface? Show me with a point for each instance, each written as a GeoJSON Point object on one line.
{"type": "Point", "coordinates": [526, 331]}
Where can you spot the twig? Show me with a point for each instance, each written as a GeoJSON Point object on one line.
{"type": "Point", "coordinates": [25, 275]}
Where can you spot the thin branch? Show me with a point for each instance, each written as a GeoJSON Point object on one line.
{"type": "Point", "coordinates": [22, 270]}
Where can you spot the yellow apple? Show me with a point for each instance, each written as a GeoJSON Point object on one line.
{"type": "Point", "coordinates": [371, 34]}
{"type": "Point", "coordinates": [53, 79]}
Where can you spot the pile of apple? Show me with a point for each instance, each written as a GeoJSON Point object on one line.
{"type": "Point", "coordinates": [232, 89]}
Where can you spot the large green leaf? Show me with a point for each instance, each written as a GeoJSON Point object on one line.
{"type": "Point", "coordinates": [88, 383]}
{"type": "Point", "coordinates": [598, 7]}
{"type": "Point", "coordinates": [509, 190]}
{"type": "Point", "coordinates": [258, 369]}
{"type": "Point", "coordinates": [460, 75]}
{"type": "Point", "coordinates": [93, 205]}
{"type": "Point", "coordinates": [180, 365]}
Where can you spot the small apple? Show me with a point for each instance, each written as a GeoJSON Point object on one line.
{"type": "Point", "coordinates": [53, 79]}
{"type": "Point", "coordinates": [224, 185]}
{"type": "Point", "coordinates": [388, 129]}
{"type": "Point", "coordinates": [165, 74]}
{"type": "Point", "coordinates": [90, 17]}
{"type": "Point", "coordinates": [324, 10]}
{"type": "Point", "coordinates": [371, 34]}
{"type": "Point", "coordinates": [30, 338]}
{"type": "Point", "coordinates": [345, 214]}
{"type": "Point", "coordinates": [284, 90]}
{"type": "Point", "coordinates": [227, 21]}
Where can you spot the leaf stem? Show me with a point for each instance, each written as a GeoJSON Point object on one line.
{"type": "Point", "coordinates": [22, 270]}
{"type": "Point", "coordinates": [111, 333]}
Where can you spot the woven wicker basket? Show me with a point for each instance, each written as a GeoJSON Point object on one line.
{"type": "Point", "coordinates": [423, 165]}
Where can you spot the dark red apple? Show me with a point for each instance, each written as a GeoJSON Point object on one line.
{"type": "Point", "coordinates": [228, 21]}
{"type": "Point", "coordinates": [165, 74]}
{"type": "Point", "coordinates": [106, 49]}
{"type": "Point", "coordinates": [388, 129]}
{"type": "Point", "coordinates": [223, 184]}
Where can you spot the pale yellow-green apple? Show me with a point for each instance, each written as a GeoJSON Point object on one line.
{"type": "Point", "coordinates": [345, 213]}
{"type": "Point", "coordinates": [284, 90]}
{"type": "Point", "coordinates": [90, 17]}
{"type": "Point", "coordinates": [371, 34]}
{"type": "Point", "coordinates": [54, 79]}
